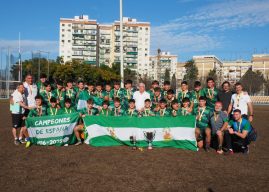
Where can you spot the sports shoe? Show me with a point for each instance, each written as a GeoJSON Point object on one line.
{"type": "Point", "coordinates": [28, 144]}
{"type": "Point", "coordinates": [78, 143]}
{"type": "Point", "coordinates": [229, 152]}
{"type": "Point", "coordinates": [17, 142]}
{"type": "Point", "coordinates": [22, 141]}
{"type": "Point", "coordinates": [220, 151]}
{"type": "Point", "coordinates": [207, 147]}
{"type": "Point", "coordinates": [245, 150]}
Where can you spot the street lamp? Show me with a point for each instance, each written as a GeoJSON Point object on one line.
{"type": "Point", "coordinates": [121, 47]}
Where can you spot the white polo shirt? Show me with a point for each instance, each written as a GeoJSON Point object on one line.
{"type": "Point", "coordinates": [17, 97]}
{"type": "Point", "coordinates": [30, 93]}
{"type": "Point", "coordinates": [140, 99]}
{"type": "Point", "coordinates": [241, 102]}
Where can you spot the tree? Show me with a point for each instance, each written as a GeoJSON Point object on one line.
{"type": "Point", "coordinates": [146, 80]}
{"type": "Point", "coordinates": [266, 86]}
{"type": "Point", "coordinates": [191, 73]}
{"type": "Point", "coordinates": [60, 60]}
{"type": "Point", "coordinates": [130, 74]}
{"type": "Point", "coordinates": [252, 81]}
{"type": "Point", "coordinates": [167, 75]}
{"type": "Point", "coordinates": [31, 67]}
{"type": "Point", "coordinates": [174, 82]}
{"type": "Point", "coordinates": [212, 74]}
{"type": "Point", "coordinates": [74, 70]}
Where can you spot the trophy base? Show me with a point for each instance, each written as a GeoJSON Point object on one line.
{"type": "Point", "coordinates": [134, 148]}
{"type": "Point", "coordinates": [150, 148]}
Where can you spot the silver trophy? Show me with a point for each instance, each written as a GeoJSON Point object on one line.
{"type": "Point", "coordinates": [149, 136]}
{"type": "Point", "coordinates": [133, 142]}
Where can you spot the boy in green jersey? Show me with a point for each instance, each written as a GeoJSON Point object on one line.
{"type": "Point", "coordinates": [184, 93]}
{"type": "Point", "coordinates": [53, 109]}
{"type": "Point", "coordinates": [202, 129]}
{"type": "Point", "coordinates": [211, 93]}
{"type": "Point", "coordinates": [157, 96]}
{"type": "Point", "coordinates": [105, 110]}
{"type": "Point", "coordinates": [166, 87]}
{"type": "Point", "coordinates": [169, 98]}
{"type": "Point", "coordinates": [147, 109]}
{"type": "Point", "coordinates": [195, 94]}
{"type": "Point", "coordinates": [131, 111]}
{"type": "Point", "coordinates": [186, 109]}
{"type": "Point", "coordinates": [40, 109]}
{"type": "Point", "coordinates": [40, 83]}
{"type": "Point", "coordinates": [176, 111]}
{"type": "Point", "coordinates": [70, 92]}
{"type": "Point", "coordinates": [59, 93]}
{"type": "Point", "coordinates": [154, 84]}
{"type": "Point", "coordinates": [117, 110]}
{"type": "Point", "coordinates": [47, 94]}
{"type": "Point", "coordinates": [67, 109]}
{"type": "Point", "coordinates": [162, 111]}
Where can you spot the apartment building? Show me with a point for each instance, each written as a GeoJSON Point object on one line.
{"type": "Point", "coordinates": [99, 44]}
{"type": "Point", "coordinates": [161, 62]}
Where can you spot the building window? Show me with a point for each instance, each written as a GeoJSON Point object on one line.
{"type": "Point", "coordinates": [69, 41]}
{"type": "Point", "coordinates": [62, 30]}
{"type": "Point", "coordinates": [62, 41]}
{"type": "Point", "coordinates": [63, 25]}
{"type": "Point", "coordinates": [62, 35]}
{"type": "Point", "coordinates": [69, 25]}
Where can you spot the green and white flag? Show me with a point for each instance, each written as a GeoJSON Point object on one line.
{"type": "Point", "coordinates": [52, 130]}
{"type": "Point", "coordinates": [178, 132]}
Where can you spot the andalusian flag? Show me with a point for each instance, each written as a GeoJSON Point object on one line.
{"type": "Point", "coordinates": [52, 130]}
{"type": "Point", "coordinates": [178, 132]}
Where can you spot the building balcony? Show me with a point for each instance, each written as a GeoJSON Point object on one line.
{"type": "Point", "coordinates": [131, 53]}
{"type": "Point", "coordinates": [90, 62]}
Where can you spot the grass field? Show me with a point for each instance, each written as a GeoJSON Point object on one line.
{"type": "Point", "coordinates": [85, 168]}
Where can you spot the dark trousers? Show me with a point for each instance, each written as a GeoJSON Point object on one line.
{"type": "Point", "coordinates": [236, 143]}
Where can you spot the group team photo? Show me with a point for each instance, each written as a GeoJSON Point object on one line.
{"type": "Point", "coordinates": [222, 117]}
{"type": "Point", "coordinates": [134, 95]}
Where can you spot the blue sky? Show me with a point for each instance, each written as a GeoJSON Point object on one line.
{"type": "Point", "coordinates": [230, 29]}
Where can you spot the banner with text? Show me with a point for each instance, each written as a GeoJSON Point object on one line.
{"type": "Point", "coordinates": [178, 132]}
{"type": "Point", "coordinates": [52, 130]}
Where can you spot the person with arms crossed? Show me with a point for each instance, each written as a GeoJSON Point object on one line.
{"type": "Point", "coordinates": [241, 100]}
{"type": "Point", "coordinates": [225, 95]}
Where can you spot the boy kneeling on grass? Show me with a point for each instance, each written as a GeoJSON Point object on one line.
{"type": "Point", "coordinates": [91, 111]}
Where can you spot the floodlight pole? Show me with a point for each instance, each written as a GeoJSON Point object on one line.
{"type": "Point", "coordinates": [121, 47]}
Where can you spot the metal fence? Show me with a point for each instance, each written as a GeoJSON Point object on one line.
{"type": "Point", "coordinates": [8, 80]}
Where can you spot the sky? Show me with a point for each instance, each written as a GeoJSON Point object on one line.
{"type": "Point", "coordinates": [229, 29]}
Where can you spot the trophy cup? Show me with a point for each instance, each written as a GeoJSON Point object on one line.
{"type": "Point", "coordinates": [133, 142]}
{"type": "Point", "coordinates": [149, 137]}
